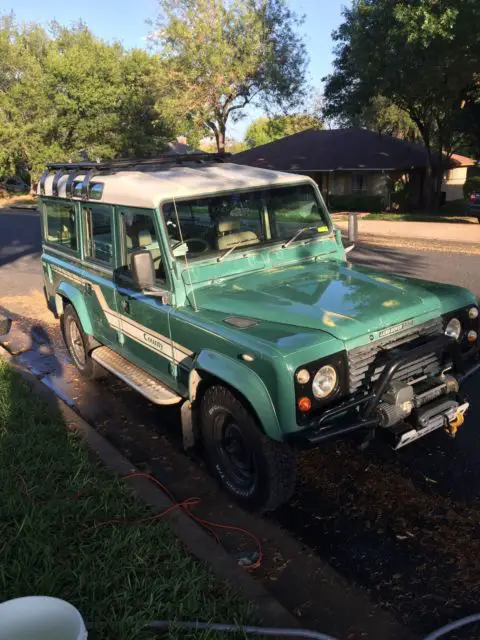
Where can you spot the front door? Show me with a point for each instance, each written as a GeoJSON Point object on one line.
{"type": "Point", "coordinates": [144, 319]}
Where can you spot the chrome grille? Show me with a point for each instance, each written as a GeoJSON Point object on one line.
{"type": "Point", "coordinates": [368, 361]}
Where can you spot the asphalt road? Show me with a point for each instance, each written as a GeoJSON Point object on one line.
{"type": "Point", "coordinates": [404, 526]}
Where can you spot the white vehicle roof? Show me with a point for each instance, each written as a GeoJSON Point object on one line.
{"type": "Point", "coordinates": [148, 188]}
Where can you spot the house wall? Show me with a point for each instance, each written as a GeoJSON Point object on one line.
{"type": "Point", "coordinates": [343, 183]}
{"type": "Point", "coordinates": [453, 181]}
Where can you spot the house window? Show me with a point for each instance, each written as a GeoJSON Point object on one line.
{"type": "Point", "coordinates": [359, 182]}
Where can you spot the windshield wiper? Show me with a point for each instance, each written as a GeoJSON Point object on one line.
{"type": "Point", "coordinates": [299, 232]}
{"type": "Point", "coordinates": [229, 251]}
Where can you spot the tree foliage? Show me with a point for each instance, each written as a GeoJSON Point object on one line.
{"type": "Point", "coordinates": [221, 55]}
{"type": "Point", "coordinates": [419, 56]}
{"type": "Point", "coordinates": [381, 115]}
{"type": "Point", "coordinates": [65, 93]}
{"type": "Point", "coordinates": [264, 130]}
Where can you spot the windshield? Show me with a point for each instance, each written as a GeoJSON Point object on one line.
{"type": "Point", "coordinates": [212, 226]}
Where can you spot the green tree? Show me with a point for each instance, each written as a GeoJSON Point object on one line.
{"type": "Point", "coordinates": [66, 93]}
{"type": "Point", "coordinates": [23, 100]}
{"type": "Point", "coordinates": [264, 130]}
{"type": "Point", "coordinates": [383, 116]}
{"type": "Point", "coordinates": [221, 55]}
{"type": "Point", "coordinates": [420, 56]}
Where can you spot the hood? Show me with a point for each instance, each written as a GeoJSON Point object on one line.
{"type": "Point", "coordinates": [345, 300]}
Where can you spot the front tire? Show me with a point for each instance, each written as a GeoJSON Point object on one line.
{"type": "Point", "coordinates": [77, 344]}
{"type": "Point", "coordinates": [258, 472]}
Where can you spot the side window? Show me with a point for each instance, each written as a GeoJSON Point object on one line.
{"type": "Point", "coordinates": [138, 232]}
{"type": "Point", "coordinates": [61, 225]}
{"type": "Point", "coordinates": [99, 237]}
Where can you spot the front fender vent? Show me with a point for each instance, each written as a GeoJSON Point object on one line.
{"type": "Point", "coordinates": [240, 322]}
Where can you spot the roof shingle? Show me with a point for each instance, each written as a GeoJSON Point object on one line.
{"type": "Point", "coordinates": [336, 149]}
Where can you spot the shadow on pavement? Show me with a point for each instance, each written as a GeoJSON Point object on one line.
{"type": "Point", "coordinates": [388, 259]}
{"type": "Point", "coordinates": [20, 236]}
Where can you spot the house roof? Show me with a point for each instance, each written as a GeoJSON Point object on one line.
{"type": "Point", "coordinates": [462, 161]}
{"type": "Point", "coordinates": [149, 188]}
{"type": "Point", "coordinates": [335, 150]}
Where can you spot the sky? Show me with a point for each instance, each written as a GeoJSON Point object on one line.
{"type": "Point", "coordinates": [126, 21]}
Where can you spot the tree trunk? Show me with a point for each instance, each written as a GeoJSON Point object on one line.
{"type": "Point", "coordinates": [429, 182]}
{"type": "Point", "coordinates": [437, 196]}
{"type": "Point", "coordinates": [221, 137]}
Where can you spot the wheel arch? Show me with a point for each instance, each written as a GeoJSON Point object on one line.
{"type": "Point", "coordinates": [65, 294]}
{"type": "Point", "coordinates": [211, 368]}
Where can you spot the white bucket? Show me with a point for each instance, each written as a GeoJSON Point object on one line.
{"type": "Point", "coordinates": [40, 618]}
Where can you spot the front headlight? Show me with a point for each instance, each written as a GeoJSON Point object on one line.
{"type": "Point", "coordinates": [325, 382]}
{"type": "Point", "coordinates": [453, 328]}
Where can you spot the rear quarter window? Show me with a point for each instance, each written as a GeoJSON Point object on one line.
{"type": "Point", "coordinates": [61, 225]}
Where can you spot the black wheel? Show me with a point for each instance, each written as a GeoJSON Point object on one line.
{"type": "Point", "coordinates": [258, 472]}
{"type": "Point", "coordinates": [77, 345]}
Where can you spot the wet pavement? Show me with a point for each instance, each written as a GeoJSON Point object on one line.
{"type": "Point", "coordinates": [405, 528]}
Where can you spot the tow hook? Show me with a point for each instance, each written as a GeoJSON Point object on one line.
{"type": "Point", "coordinates": [454, 423]}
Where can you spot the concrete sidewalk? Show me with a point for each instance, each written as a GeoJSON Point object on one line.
{"type": "Point", "coordinates": [434, 231]}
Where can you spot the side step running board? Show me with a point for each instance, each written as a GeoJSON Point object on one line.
{"type": "Point", "coordinates": [137, 378]}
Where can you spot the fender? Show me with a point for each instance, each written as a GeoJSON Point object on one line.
{"type": "Point", "coordinates": [75, 297]}
{"type": "Point", "coordinates": [243, 380]}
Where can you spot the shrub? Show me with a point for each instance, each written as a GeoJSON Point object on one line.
{"type": "Point", "coordinates": [356, 202]}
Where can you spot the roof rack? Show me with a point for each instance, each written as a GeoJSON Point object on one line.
{"type": "Point", "coordinates": [89, 169]}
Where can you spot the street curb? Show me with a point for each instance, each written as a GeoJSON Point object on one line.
{"type": "Point", "coordinates": [194, 538]}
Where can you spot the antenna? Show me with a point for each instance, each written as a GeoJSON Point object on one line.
{"type": "Point", "coordinates": [195, 308]}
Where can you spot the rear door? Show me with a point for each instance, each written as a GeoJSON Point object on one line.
{"type": "Point", "coordinates": [99, 260]}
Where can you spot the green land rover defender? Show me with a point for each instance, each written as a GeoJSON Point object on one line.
{"type": "Point", "coordinates": [225, 289]}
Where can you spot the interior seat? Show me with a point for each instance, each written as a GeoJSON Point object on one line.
{"type": "Point", "coordinates": [229, 235]}
{"type": "Point", "coordinates": [145, 241]}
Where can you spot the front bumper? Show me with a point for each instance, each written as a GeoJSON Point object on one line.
{"type": "Point", "coordinates": [361, 412]}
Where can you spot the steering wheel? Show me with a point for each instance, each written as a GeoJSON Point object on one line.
{"type": "Point", "coordinates": [187, 241]}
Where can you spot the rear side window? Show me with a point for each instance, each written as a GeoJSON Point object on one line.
{"type": "Point", "coordinates": [99, 245]}
{"type": "Point", "coordinates": [61, 225]}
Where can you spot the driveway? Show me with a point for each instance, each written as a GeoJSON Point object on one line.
{"type": "Point", "coordinates": [440, 232]}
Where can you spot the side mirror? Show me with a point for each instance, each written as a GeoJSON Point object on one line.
{"type": "Point", "coordinates": [143, 271]}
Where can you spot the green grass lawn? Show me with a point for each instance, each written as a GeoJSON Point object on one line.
{"type": "Point", "coordinates": [419, 217]}
{"type": "Point", "coordinates": [119, 576]}
{"type": "Point", "coordinates": [453, 211]}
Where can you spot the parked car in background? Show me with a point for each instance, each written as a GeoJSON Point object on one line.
{"type": "Point", "coordinates": [473, 206]}
{"type": "Point", "coordinates": [14, 185]}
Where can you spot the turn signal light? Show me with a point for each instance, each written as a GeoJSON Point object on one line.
{"type": "Point", "coordinates": [472, 336]}
{"type": "Point", "coordinates": [304, 404]}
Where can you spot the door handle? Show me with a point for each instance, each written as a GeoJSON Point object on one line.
{"type": "Point", "coordinates": [125, 305]}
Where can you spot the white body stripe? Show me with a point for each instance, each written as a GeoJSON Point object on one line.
{"type": "Point", "coordinates": [150, 339]}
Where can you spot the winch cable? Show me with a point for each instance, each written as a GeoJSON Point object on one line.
{"type": "Point", "coordinates": [163, 625]}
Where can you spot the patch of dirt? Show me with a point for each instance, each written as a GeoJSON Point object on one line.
{"type": "Point", "coordinates": [24, 309]}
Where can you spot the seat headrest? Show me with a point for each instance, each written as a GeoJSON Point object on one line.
{"type": "Point", "coordinates": [144, 238]}
{"type": "Point", "coordinates": [228, 225]}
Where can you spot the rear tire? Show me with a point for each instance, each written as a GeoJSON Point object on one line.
{"type": "Point", "coordinates": [258, 472]}
{"type": "Point", "coordinates": [78, 345]}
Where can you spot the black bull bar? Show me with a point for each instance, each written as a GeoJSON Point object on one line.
{"type": "Point", "coordinates": [335, 422]}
